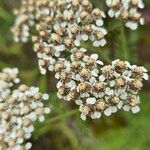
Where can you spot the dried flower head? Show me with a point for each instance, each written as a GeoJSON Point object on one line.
{"type": "Point", "coordinates": [19, 108]}
{"type": "Point", "coordinates": [126, 10]}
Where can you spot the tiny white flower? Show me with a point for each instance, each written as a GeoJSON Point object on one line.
{"type": "Point", "coordinates": [94, 56]}
{"type": "Point", "coordinates": [99, 22]}
{"type": "Point", "coordinates": [47, 110]}
{"type": "Point", "coordinates": [113, 109]}
{"type": "Point", "coordinates": [77, 43]}
{"type": "Point", "coordinates": [41, 118]}
{"type": "Point", "coordinates": [145, 76]}
{"type": "Point", "coordinates": [43, 71]}
{"type": "Point", "coordinates": [96, 115]}
{"type": "Point", "coordinates": [83, 117]}
{"type": "Point", "coordinates": [78, 102]}
{"type": "Point", "coordinates": [120, 104]}
{"type": "Point", "coordinates": [126, 107]}
{"type": "Point", "coordinates": [45, 96]}
{"type": "Point", "coordinates": [28, 145]}
{"type": "Point", "coordinates": [108, 112]}
{"type": "Point", "coordinates": [85, 37]}
{"type": "Point", "coordinates": [101, 78]}
{"type": "Point", "coordinates": [97, 43]}
{"type": "Point", "coordinates": [135, 109]}
{"type": "Point", "coordinates": [112, 83]}
{"type": "Point", "coordinates": [109, 91]}
{"type": "Point", "coordinates": [111, 13]}
{"type": "Point", "coordinates": [91, 100]}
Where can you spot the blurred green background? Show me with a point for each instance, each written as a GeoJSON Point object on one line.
{"type": "Point", "coordinates": [63, 128]}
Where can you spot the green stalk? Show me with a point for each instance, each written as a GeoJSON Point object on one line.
{"type": "Point", "coordinates": [47, 126]}
{"type": "Point", "coordinates": [124, 44]}
{"type": "Point", "coordinates": [61, 117]}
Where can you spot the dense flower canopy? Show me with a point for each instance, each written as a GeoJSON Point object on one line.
{"type": "Point", "coordinates": [61, 26]}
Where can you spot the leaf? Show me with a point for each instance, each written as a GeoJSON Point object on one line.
{"type": "Point", "coordinates": [5, 15]}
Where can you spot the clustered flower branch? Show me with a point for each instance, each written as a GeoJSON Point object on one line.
{"type": "Point", "coordinates": [19, 108]}
{"type": "Point", "coordinates": [99, 89]}
{"type": "Point", "coordinates": [61, 26]}
{"type": "Point", "coordinates": [57, 27]}
{"type": "Point", "coordinates": [127, 11]}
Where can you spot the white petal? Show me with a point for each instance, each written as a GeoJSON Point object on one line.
{"type": "Point", "coordinates": [94, 73]}
{"type": "Point", "coordinates": [124, 96]}
{"type": "Point", "coordinates": [51, 68]}
{"type": "Point", "coordinates": [109, 91]}
{"type": "Point", "coordinates": [135, 109]}
{"type": "Point", "coordinates": [47, 110]}
{"type": "Point", "coordinates": [101, 78]}
{"type": "Point", "coordinates": [145, 76]}
{"type": "Point", "coordinates": [92, 80]}
{"type": "Point", "coordinates": [28, 145]}
{"type": "Point", "coordinates": [96, 115]}
{"type": "Point", "coordinates": [78, 102]}
{"type": "Point", "coordinates": [113, 109]}
{"type": "Point", "coordinates": [96, 43]}
{"type": "Point", "coordinates": [59, 84]}
{"type": "Point", "coordinates": [100, 62]}
{"type": "Point", "coordinates": [126, 108]}
{"type": "Point", "coordinates": [83, 117]}
{"type": "Point", "coordinates": [77, 43]}
{"type": "Point", "coordinates": [91, 101]}
{"type": "Point", "coordinates": [108, 2]}
{"type": "Point", "coordinates": [99, 22]}
{"type": "Point", "coordinates": [112, 83]}
{"type": "Point", "coordinates": [43, 71]}
{"type": "Point", "coordinates": [85, 37]}
{"type": "Point", "coordinates": [41, 118]}
{"type": "Point", "coordinates": [57, 53]}
{"type": "Point", "coordinates": [141, 4]}
{"type": "Point", "coordinates": [68, 1]}
{"type": "Point", "coordinates": [142, 21]}
{"type": "Point", "coordinates": [120, 105]}
{"type": "Point", "coordinates": [45, 96]}
{"type": "Point", "coordinates": [107, 112]}
{"type": "Point", "coordinates": [94, 56]}
{"type": "Point", "coordinates": [57, 76]}
{"type": "Point", "coordinates": [111, 13]}
{"type": "Point", "coordinates": [103, 42]}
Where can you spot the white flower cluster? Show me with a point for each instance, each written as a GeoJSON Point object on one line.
{"type": "Point", "coordinates": [115, 87]}
{"type": "Point", "coordinates": [19, 108]}
{"type": "Point", "coordinates": [62, 26]}
{"type": "Point", "coordinates": [7, 79]}
{"type": "Point", "coordinates": [24, 21]}
{"type": "Point", "coordinates": [126, 10]}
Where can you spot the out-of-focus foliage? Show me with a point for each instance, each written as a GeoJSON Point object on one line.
{"type": "Point", "coordinates": [63, 128]}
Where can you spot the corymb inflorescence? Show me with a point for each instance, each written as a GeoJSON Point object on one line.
{"type": "Point", "coordinates": [19, 108]}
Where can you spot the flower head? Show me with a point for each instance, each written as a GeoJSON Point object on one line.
{"type": "Point", "coordinates": [100, 89]}
{"type": "Point", "coordinates": [19, 108]}
{"type": "Point", "coordinates": [126, 10]}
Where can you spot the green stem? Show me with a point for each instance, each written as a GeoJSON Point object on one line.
{"type": "Point", "coordinates": [47, 126]}
{"type": "Point", "coordinates": [63, 116]}
{"type": "Point", "coordinates": [70, 135]}
{"type": "Point", "coordinates": [124, 44]}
